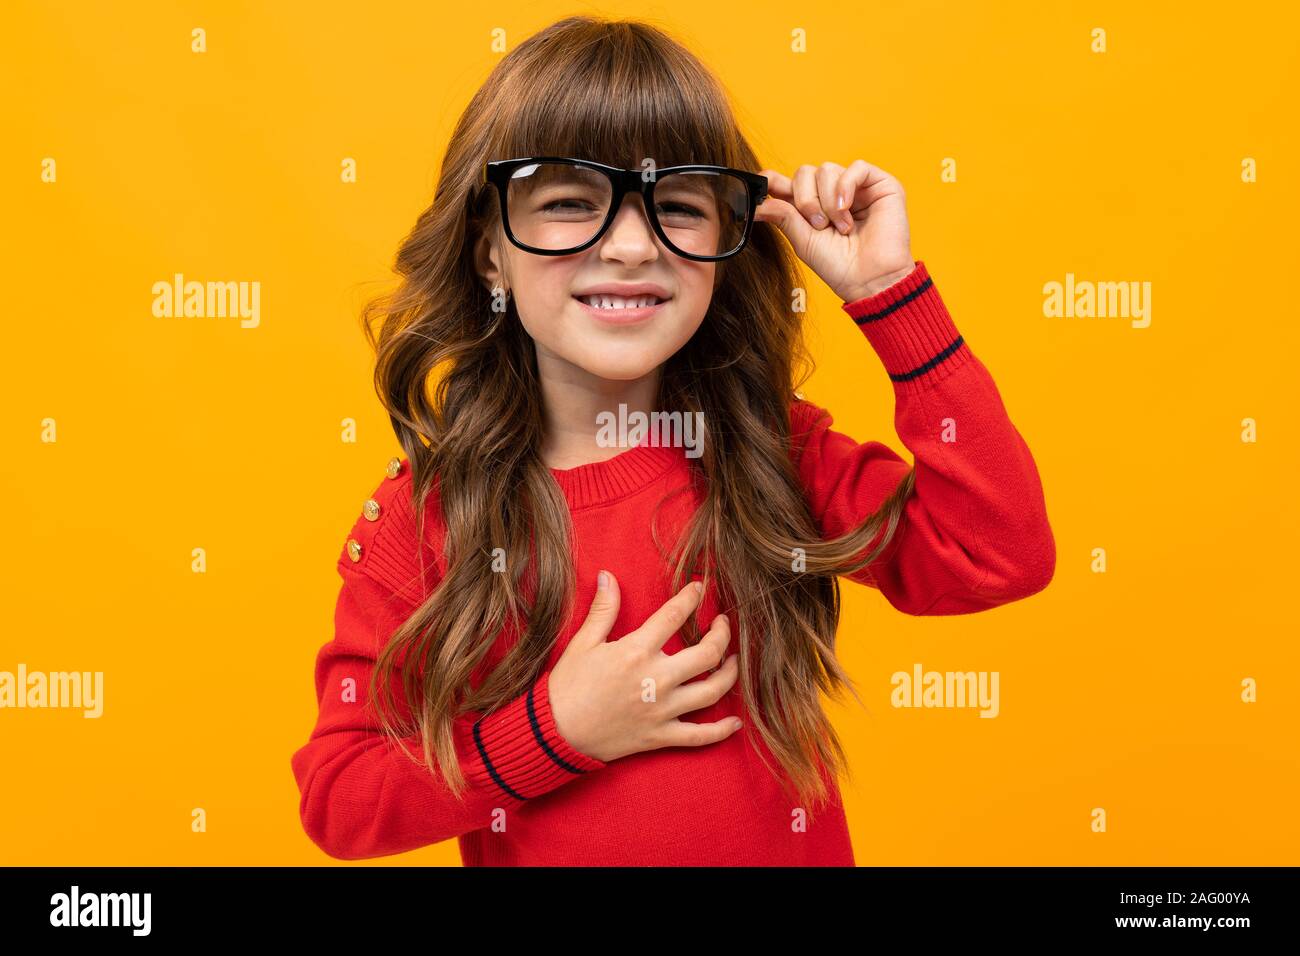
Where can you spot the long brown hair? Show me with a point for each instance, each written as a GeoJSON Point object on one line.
{"type": "Point", "coordinates": [608, 91]}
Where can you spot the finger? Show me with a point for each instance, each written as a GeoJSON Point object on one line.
{"type": "Point", "coordinates": [788, 219]}
{"type": "Point", "coordinates": [862, 184]}
{"type": "Point", "coordinates": [778, 184]}
{"type": "Point", "coordinates": [703, 693]}
{"type": "Point", "coordinates": [828, 177]}
{"type": "Point", "coordinates": [830, 190]}
{"type": "Point", "coordinates": [600, 618]}
{"type": "Point", "coordinates": [703, 656]}
{"type": "Point", "coordinates": [805, 196]}
{"type": "Point", "coordinates": [681, 733]}
{"type": "Point", "coordinates": [668, 620]}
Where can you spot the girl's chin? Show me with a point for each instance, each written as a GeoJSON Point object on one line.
{"type": "Point", "coordinates": [628, 374]}
{"type": "Point", "coordinates": [611, 369]}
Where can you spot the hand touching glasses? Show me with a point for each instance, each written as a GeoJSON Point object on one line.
{"type": "Point", "coordinates": [849, 224]}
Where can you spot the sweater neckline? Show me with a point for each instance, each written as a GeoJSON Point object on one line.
{"type": "Point", "coordinates": [599, 482]}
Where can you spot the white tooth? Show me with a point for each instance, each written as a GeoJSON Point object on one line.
{"type": "Point", "coordinates": [601, 300]}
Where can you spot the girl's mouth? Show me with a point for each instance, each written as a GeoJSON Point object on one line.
{"type": "Point", "coordinates": [620, 310]}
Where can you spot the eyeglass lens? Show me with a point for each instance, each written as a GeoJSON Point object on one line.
{"type": "Point", "coordinates": [556, 206]}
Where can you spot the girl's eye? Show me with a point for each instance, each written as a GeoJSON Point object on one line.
{"type": "Point", "coordinates": [678, 209]}
{"type": "Point", "coordinates": [567, 205]}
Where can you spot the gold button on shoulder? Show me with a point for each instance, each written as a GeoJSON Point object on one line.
{"type": "Point", "coordinates": [394, 467]}
{"type": "Point", "coordinates": [371, 509]}
{"type": "Point", "coordinates": [354, 549]}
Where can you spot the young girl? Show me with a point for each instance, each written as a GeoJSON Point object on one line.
{"type": "Point", "coordinates": [518, 602]}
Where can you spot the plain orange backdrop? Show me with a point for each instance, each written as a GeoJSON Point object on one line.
{"type": "Point", "coordinates": [1119, 690]}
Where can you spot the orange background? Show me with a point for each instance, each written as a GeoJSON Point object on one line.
{"type": "Point", "coordinates": [1118, 690]}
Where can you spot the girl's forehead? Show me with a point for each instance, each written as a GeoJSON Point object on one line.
{"type": "Point", "coordinates": [623, 157]}
{"type": "Point", "coordinates": [634, 164]}
{"type": "Point", "coordinates": [663, 141]}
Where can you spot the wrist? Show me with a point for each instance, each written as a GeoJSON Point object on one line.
{"type": "Point", "coordinates": [876, 285]}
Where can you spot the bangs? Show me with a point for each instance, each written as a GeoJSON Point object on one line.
{"type": "Point", "coordinates": [620, 97]}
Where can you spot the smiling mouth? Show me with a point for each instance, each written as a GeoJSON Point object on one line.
{"type": "Point", "coordinates": [600, 300]}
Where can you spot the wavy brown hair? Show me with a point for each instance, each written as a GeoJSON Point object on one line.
{"type": "Point", "coordinates": [615, 92]}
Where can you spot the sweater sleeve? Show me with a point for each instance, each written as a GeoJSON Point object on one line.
{"type": "Point", "coordinates": [974, 532]}
{"type": "Point", "coordinates": [361, 796]}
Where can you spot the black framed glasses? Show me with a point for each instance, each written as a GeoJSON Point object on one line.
{"type": "Point", "coordinates": [557, 205]}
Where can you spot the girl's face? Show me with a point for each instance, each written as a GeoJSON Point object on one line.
{"type": "Point", "coordinates": [617, 344]}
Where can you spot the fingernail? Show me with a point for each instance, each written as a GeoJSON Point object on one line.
{"type": "Point", "coordinates": [735, 722]}
{"type": "Point", "coordinates": [602, 581]}
{"type": "Point", "coordinates": [699, 587]}
{"type": "Point", "coordinates": [839, 201]}
{"type": "Point", "coordinates": [818, 220]}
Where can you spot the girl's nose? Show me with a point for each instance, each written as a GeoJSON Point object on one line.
{"type": "Point", "coordinates": [630, 237]}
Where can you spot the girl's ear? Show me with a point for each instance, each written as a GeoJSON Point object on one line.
{"type": "Point", "coordinates": [485, 260]}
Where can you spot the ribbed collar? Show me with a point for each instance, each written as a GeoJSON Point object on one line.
{"type": "Point", "coordinates": [600, 482]}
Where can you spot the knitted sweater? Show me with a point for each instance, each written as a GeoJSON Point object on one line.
{"type": "Point", "coordinates": [975, 535]}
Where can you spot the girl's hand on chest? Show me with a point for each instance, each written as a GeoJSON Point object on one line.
{"type": "Point", "coordinates": [611, 698]}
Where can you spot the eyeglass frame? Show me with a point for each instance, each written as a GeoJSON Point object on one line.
{"type": "Point", "coordinates": [498, 173]}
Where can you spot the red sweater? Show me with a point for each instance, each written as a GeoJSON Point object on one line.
{"type": "Point", "coordinates": [975, 536]}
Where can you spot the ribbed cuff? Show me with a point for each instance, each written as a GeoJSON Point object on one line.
{"type": "Point", "coordinates": [520, 752]}
{"type": "Point", "coordinates": [909, 327]}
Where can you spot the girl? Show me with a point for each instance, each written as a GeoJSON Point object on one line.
{"type": "Point", "coordinates": [567, 269]}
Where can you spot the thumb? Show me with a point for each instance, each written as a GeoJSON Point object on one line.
{"type": "Point", "coordinates": [600, 618]}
